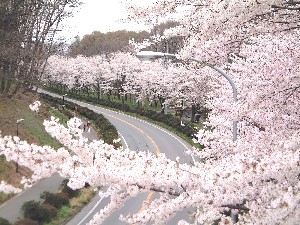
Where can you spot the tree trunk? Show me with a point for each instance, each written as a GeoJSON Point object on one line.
{"type": "Point", "coordinates": [193, 113]}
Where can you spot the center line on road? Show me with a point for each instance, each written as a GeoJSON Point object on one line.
{"type": "Point", "coordinates": [139, 129]}
{"type": "Point", "coordinates": [90, 212]}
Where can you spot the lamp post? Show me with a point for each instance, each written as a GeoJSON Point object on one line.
{"type": "Point", "coordinates": [148, 56]}
{"type": "Point", "coordinates": [18, 121]}
{"type": "Point", "coordinates": [63, 98]}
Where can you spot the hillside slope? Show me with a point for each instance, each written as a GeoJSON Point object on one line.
{"type": "Point", "coordinates": [30, 129]}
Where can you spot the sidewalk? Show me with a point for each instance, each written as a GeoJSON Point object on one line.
{"type": "Point", "coordinates": [11, 209]}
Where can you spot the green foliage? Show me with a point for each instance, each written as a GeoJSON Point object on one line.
{"type": "Point", "coordinates": [34, 125]}
{"type": "Point", "coordinates": [52, 210]}
{"type": "Point", "coordinates": [2, 158]}
{"type": "Point", "coordinates": [26, 221]}
{"type": "Point", "coordinates": [107, 131]}
{"type": "Point", "coordinates": [62, 116]}
{"type": "Point", "coordinates": [4, 197]}
{"type": "Point", "coordinates": [108, 135]}
{"type": "Point", "coordinates": [97, 42]}
{"type": "Point", "coordinates": [4, 221]}
{"type": "Point", "coordinates": [35, 211]}
{"type": "Point", "coordinates": [65, 211]}
{"type": "Point", "coordinates": [55, 199]}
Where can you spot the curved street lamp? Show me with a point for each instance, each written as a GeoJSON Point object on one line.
{"type": "Point", "coordinates": [63, 98]}
{"type": "Point", "coordinates": [148, 56]}
{"type": "Point", "coordinates": [18, 121]}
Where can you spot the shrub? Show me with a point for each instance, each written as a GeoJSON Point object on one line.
{"type": "Point", "coordinates": [4, 221]}
{"type": "Point", "coordinates": [55, 199]}
{"type": "Point", "coordinates": [52, 210]}
{"type": "Point", "coordinates": [167, 119]}
{"type": "Point", "coordinates": [65, 211]}
{"type": "Point", "coordinates": [26, 221]}
{"type": "Point", "coordinates": [33, 210]}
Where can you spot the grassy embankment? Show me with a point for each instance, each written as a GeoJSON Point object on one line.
{"type": "Point", "coordinates": [130, 103]}
{"type": "Point", "coordinates": [30, 129]}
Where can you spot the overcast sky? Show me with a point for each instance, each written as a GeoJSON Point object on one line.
{"type": "Point", "coordinates": [97, 15]}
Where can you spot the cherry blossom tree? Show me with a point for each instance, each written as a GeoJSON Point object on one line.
{"type": "Point", "coordinates": [254, 42]}
{"type": "Point", "coordinates": [256, 176]}
{"type": "Point", "coordinates": [125, 74]}
{"type": "Point", "coordinates": [8, 189]}
{"type": "Point", "coordinates": [214, 29]}
{"type": "Point", "coordinates": [237, 181]}
{"type": "Point", "coordinates": [35, 106]}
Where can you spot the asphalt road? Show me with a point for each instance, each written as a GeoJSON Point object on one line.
{"type": "Point", "coordinates": [137, 135]}
{"type": "Point", "coordinates": [10, 210]}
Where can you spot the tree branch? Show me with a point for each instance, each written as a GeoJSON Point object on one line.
{"type": "Point", "coordinates": [239, 207]}
{"type": "Point", "coordinates": [284, 7]}
{"type": "Point", "coordinates": [170, 192]}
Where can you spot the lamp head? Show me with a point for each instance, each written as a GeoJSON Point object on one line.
{"type": "Point", "coordinates": [19, 120]}
{"type": "Point", "coordinates": [149, 56]}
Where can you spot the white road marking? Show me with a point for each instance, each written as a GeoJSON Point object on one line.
{"type": "Point", "coordinates": [90, 212]}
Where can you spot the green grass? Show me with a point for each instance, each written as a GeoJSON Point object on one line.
{"type": "Point", "coordinates": [76, 204]}
{"type": "Point", "coordinates": [31, 129]}
{"type": "Point", "coordinates": [146, 106]}
{"type": "Point", "coordinates": [56, 113]}
{"type": "Point", "coordinates": [64, 211]}
{"type": "Point", "coordinates": [34, 124]}
{"type": "Point", "coordinates": [4, 197]}
{"type": "Point", "coordinates": [2, 168]}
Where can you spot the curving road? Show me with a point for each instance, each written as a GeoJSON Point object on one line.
{"type": "Point", "coordinates": [140, 136]}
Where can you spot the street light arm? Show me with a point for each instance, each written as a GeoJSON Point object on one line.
{"type": "Point", "coordinates": [150, 56]}
{"type": "Point", "coordinates": [234, 90]}
{"type": "Point", "coordinates": [19, 120]}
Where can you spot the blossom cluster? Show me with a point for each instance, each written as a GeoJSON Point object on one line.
{"type": "Point", "coordinates": [35, 107]}
{"type": "Point", "coordinates": [250, 179]}
{"type": "Point", "coordinates": [154, 82]}
{"type": "Point", "coordinates": [8, 189]}
{"type": "Point", "coordinates": [256, 176]}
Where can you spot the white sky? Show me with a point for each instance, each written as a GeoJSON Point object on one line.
{"type": "Point", "coordinates": [98, 15]}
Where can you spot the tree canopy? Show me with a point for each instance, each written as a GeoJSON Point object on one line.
{"type": "Point", "coordinates": [256, 176]}
{"type": "Point", "coordinates": [99, 43]}
{"type": "Point", "coordinates": [27, 30]}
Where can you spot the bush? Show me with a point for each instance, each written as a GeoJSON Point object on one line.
{"type": "Point", "coordinates": [52, 210]}
{"type": "Point", "coordinates": [55, 199]}
{"type": "Point", "coordinates": [26, 222]}
{"type": "Point", "coordinates": [100, 121]}
{"type": "Point", "coordinates": [67, 190]}
{"type": "Point", "coordinates": [4, 221]}
{"type": "Point", "coordinates": [112, 134]}
{"type": "Point", "coordinates": [33, 210]}
{"type": "Point", "coordinates": [65, 211]}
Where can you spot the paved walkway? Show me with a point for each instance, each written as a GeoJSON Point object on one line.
{"type": "Point", "coordinates": [11, 209]}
